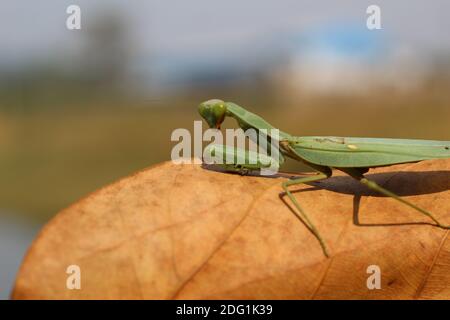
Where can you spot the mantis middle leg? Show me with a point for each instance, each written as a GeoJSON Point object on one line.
{"type": "Point", "coordinates": [303, 216]}
{"type": "Point", "coordinates": [243, 166]}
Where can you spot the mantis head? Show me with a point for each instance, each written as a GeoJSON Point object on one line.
{"type": "Point", "coordinates": [213, 111]}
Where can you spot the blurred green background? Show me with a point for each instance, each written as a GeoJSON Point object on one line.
{"type": "Point", "coordinates": [82, 108]}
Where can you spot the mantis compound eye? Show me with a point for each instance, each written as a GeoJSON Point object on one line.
{"type": "Point", "coordinates": [213, 111]}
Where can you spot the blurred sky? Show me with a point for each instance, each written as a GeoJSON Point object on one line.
{"type": "Point", "coordinates": [171, 38]}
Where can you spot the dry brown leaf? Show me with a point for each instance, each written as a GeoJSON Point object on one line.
{"type": "Point", "coordinates": [179, 231]}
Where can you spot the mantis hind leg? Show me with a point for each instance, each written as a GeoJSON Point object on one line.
{"type": "Point", "coordinates": [301, 213]}
{"type": "Point", "coordinates": [374, 186]}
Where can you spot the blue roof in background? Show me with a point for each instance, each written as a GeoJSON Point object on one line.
{"type": "Point", "coordinates": [344, 40]}
{"type": "Point", "coordinates": [337, 40]}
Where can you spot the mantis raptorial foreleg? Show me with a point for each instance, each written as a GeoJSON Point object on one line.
{"type": "Point", "coordinates": [303, 216]}
{"type": "Point", "coordinates": [376, 187]}
{"type": "Point", "coordinates": [241, 160]}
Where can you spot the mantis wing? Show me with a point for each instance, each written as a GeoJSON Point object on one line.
{"type": "Point", "coordinates": [342, 152]}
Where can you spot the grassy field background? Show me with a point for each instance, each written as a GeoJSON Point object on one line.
{"type": "Point", "coordinates": [51, 157]}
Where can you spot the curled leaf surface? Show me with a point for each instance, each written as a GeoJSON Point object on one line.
{"type": "Point", "coordinates": [183, 232]}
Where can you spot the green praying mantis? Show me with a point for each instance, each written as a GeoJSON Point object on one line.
{"type": "Point", "coordinates": [353, 156]}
